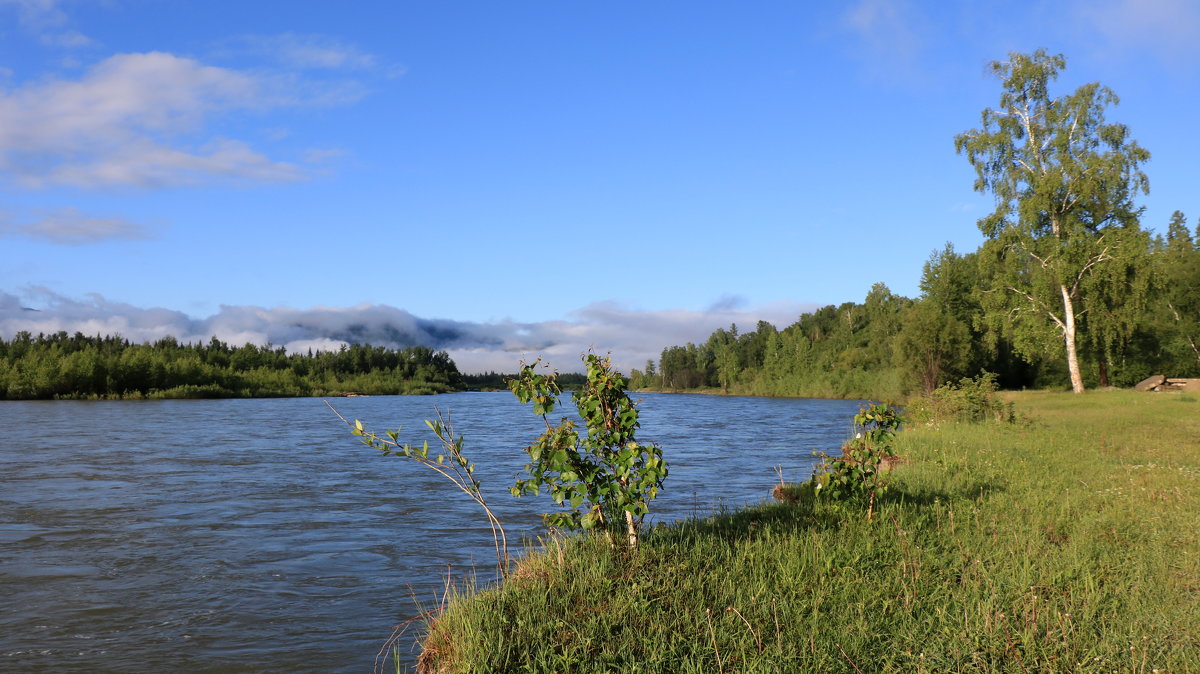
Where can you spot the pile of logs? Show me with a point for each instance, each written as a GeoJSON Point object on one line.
{"type": "Point", "coordinates": [1161, 383]}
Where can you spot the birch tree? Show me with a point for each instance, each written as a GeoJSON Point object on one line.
{"type": "Point", "coordinates": [1064, 181]}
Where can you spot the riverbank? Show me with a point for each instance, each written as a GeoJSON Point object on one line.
{"type": "Point", "coordinates": [739, 393]}
{"type": "Point", "coordinates": [815, 393]}
{"type": "Point", "coordinates": [1067, 542]}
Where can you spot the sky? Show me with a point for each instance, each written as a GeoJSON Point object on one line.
{"type": "Point", "coordinates": [505, 180]}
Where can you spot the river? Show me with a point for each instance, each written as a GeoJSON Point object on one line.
{"type": "Point", "coordinates": [258, 535]}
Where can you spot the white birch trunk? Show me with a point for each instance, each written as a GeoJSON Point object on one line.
{"type": "Point", "coordinates": [1069, 338]}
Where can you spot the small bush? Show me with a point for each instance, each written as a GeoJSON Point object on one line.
{"type": "Point", "coordinates": [971, 400]}
{"type": "Point", "coordinates": [856, 473]}
{"type": "Point", "coordinates": [192, 391]}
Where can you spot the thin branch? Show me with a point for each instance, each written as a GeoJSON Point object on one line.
{"type": "Point", "coordinates": [750, 627]}
{"type": "Point", "coordinates": [1039, 306]}
{"type": "Point", "coordinates": [848, 659]}
{"type": "Point", "coordinates": [1102, 256]}
{"type": "Point", "coordinates": [1037, 257]}
{"type": "Point", "coordinates": [463, 479]}
{"type": "Point", "coordinates": [397, 632]}
{"type": "Point", "coordinates": [713, 633]}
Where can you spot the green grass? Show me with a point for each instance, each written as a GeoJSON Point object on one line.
{"type": "Point", "coordinates": [1067, 542]}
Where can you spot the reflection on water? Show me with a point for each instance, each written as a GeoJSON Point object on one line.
{"type": "Point", "coordinates": [249, 535]}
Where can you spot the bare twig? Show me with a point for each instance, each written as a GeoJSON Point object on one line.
{"type": "Point", "coordinates": [713, 633]}
{"type": "Point", "coordinates": [397, 632]}
{"type": "Point", "coordinates": [750, 627]}
{"type": "Point", "coordinates": [1013, 648]}
{"type": "Point", "coordinates": [778, 632]}
{"type": "Point", "coordinates": [458, 470]}
{"type": "Point", "coordinates": [849, 659]}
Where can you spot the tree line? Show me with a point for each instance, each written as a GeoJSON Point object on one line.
{"type": "Point", "coordinates": [496, 381]}
{"type": "Point", "coordinates": [85, 367]}
{"type": "Point", "coordinates": [1067, 289]}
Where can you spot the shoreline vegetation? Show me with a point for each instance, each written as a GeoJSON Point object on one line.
{"type": "Point", "coordinates": [1063, 542]}
{"type": "Point", "coordinates": [78, 367]}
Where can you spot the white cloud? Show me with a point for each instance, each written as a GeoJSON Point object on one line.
{"type": "Point", "coordinates": [72, 227]}
{"type": "Point", "coordinates": [37, 13]}
{"type": "Point", "coordinates": [1169, 27]}
{"type": "Point", "coordinates": [44, 18]}
{"type": "Point", "coordinates": [315, 51]}
{"type": "Point", "coordinates": [124, 123]}
{"type": "Point", "coordinates": [295, 51]}
{"type": "Point", "coordinates": [319, 156]}
{"type": "Point", "coordinates": [70, 39]}
{"type": "Point", "coordinates": [633, 336]}
{"type": "Point", "coordinates": [145, 164]}
{"type": "Point", "coordinates": [890, 35]}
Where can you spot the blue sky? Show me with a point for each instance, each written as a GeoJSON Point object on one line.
{"type": "Point", "coordinates": [575, 171]}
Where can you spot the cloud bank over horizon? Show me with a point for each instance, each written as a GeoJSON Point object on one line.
{"type": "Point", "coordinates": [633, 336]}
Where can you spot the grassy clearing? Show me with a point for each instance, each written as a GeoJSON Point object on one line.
{"type": "Point", "coordinates": [1067, 542]}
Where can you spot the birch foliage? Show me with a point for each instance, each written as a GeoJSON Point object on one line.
{"type": "Point", "coordinates": [1064, 180]}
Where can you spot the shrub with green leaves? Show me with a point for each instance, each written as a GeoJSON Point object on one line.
{"type": "Point", "coordinates": [605, 479]}
{"type": "Point", "coordinates": [856, 473]}
{"type": "Point", "coordinates": [972, 400]}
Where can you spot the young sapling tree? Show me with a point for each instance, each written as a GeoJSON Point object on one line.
{"type": "Point", "coordinates": [605, 479]}
{"type": "Point", "coordinates": [449, 463]}
{"type": "Point", "coordinates": [856, 473]}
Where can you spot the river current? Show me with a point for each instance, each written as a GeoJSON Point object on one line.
{"type": "Point", "coordinates": [258, 535]}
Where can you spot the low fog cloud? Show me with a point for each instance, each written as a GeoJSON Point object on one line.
{"type": "Point", "coordinates": [71, 227]}
{"type": "Point", "coordinates": [633, 336]}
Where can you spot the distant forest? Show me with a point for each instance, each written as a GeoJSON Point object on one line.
{"type": "Point", "coordinates": [62, 366]}
{"type": "Point", "coordinates": [494, 381]}
{"type": "Point", "coordinates": [889, 346]}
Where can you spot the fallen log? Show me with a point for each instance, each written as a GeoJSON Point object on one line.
{"type": "Point", "coordinates": [1150, 383]}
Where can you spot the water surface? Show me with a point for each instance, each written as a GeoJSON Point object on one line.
{"type": "Point", "coordinates": [258, 535]}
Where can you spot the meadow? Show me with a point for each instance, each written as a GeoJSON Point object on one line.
{"type": "Point", "coordinates": [1065, 541]}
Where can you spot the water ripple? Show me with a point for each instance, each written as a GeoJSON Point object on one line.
{"type": "Point", "coordinates": [243, 535]}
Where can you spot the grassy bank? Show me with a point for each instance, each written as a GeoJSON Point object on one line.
{"type": "Point", "coordinates": [885, 385]}
{"type": "Point", "coordinates": [1068, 543]}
